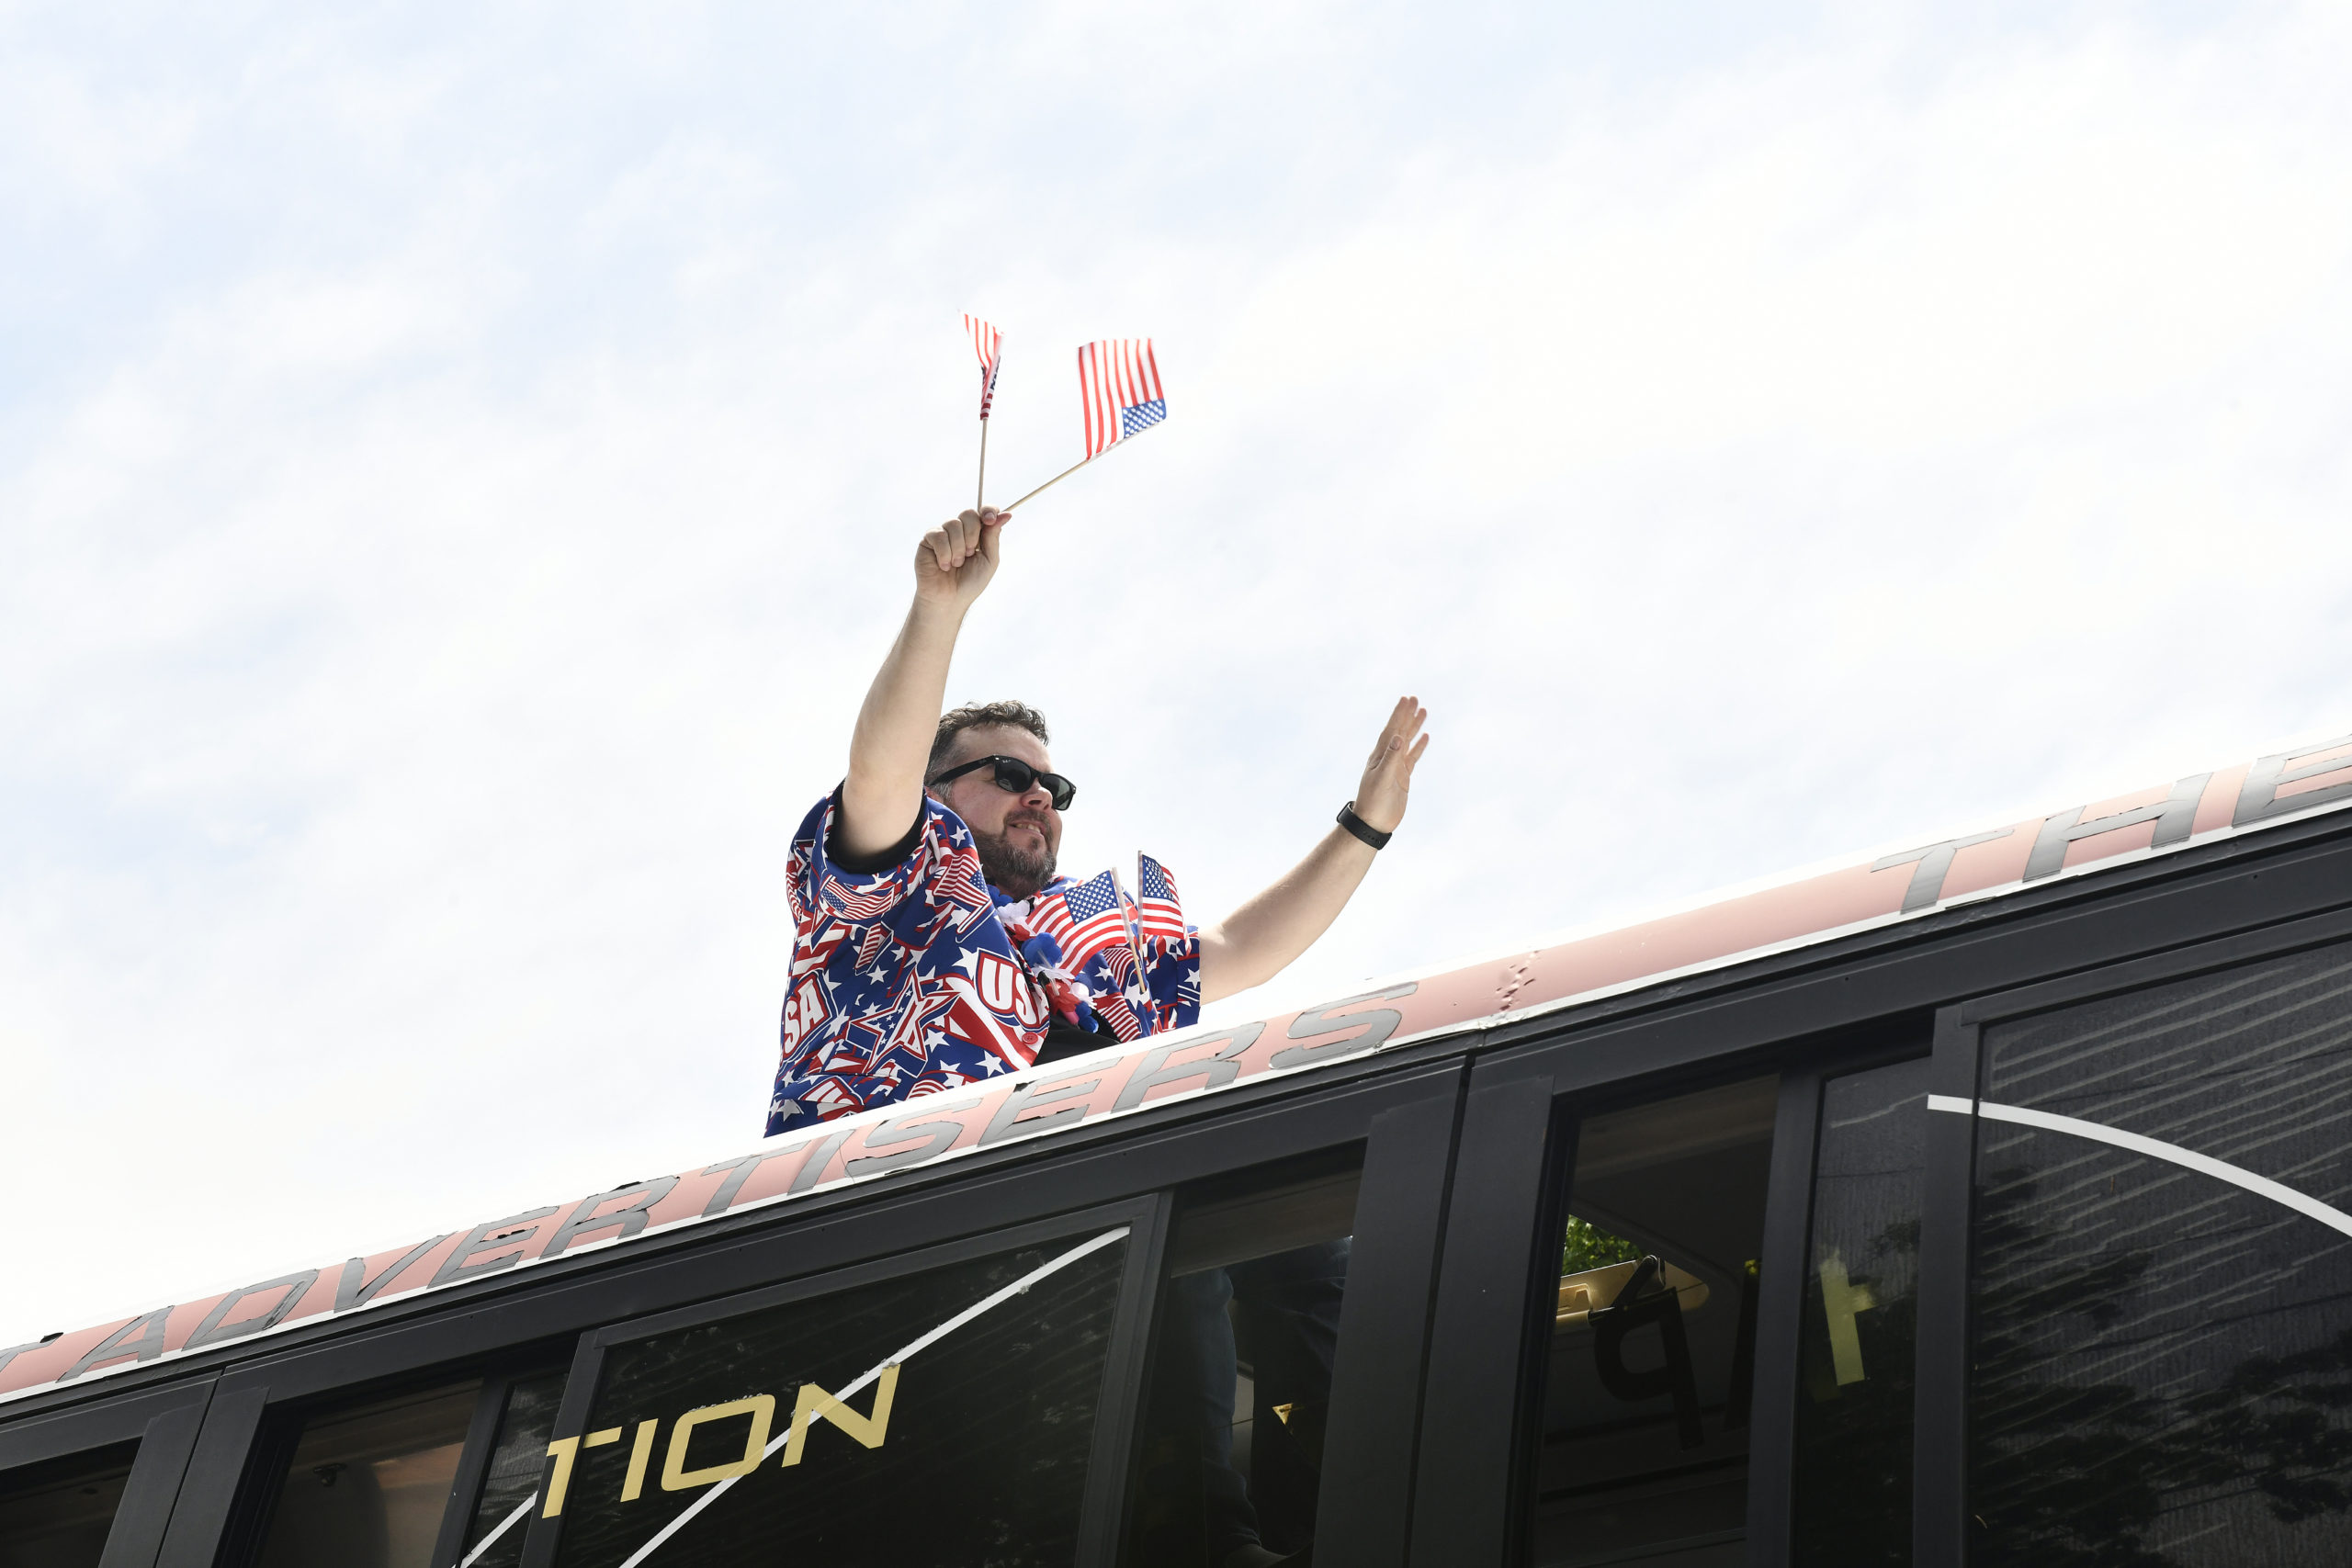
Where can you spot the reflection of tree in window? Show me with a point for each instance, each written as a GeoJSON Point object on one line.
{"type": "Point", "coordinates": [2081, 1474]}
{"type": "Point", "coordinates": [2162, 1363]}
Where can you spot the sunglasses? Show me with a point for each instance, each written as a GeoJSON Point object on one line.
{"type": "Point", "coordinates": [1015, 777]}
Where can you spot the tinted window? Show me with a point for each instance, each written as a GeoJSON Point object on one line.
{"type": "Point", "coordinates": [1652, 1355]}
{"type": "Point", "coordinates": [57, 1515]}
{"type": "Point", "coordinates": [2163, 1360]}
{"type": "Point", "coordinates": [1231, 1454]}
{"type": "Point", "coordinates": [494, 1535]}
{"type": "Point", "coordinates": [1852, 1464]}
{"type": "Point", "coordinates": [944, 1418]}
{"type": "Point", "coordinates": [368, 1486]}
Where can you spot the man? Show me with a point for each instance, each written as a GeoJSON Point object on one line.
{"type": "Point", "coordinates": [935, 945]}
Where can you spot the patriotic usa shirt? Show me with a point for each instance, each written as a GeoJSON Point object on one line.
{"type": "Point", "coordinates": [911, 976]}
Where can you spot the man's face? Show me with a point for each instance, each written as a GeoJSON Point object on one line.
{"type": "Point", "coordinates": [1018, 835]}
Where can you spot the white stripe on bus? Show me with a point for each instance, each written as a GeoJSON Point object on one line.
{"type": "Point", "coordinates": [2206, 1165]}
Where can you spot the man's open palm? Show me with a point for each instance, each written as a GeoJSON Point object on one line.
{"type": "Point", "coordinates": [1388, 774]}
{"type": "Point", "coordinates": [955, 559]}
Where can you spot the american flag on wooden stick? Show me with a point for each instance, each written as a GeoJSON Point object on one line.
{"type": "Point", "coordinates": [988, 343]}
{"type": "Point", "coordinates": [1163, 915]}
{"type": "Point", "coordinates": [1083, 920]}
{"type": "Point", "coordinates": [1118, 380]}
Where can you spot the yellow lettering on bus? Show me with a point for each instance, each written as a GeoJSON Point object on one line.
{"type": "Point", "coordinates": [815, 1405]}
{"type": "Point", "coordinates": [634, 1487]}
{"type": "Point", "coordinates": [1840, 1301]}
{"type": "Point", "coordinates": [676, 1477]}
{"type": "Point", "coordinates": [561, 1451]}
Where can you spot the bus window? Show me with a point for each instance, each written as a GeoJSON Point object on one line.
{"type": "Point", "coordinates": [943, 1417]}
{"type": "Point", "coordinates": [368, 1486]}
{"type": "Point", "coordinates": [1645, 1395]}
{"type": "Point", "coordinates": [2162, 1362]}
{"type": "Point", "coordinates": [493, 1537]}
{"type": "Point", "coordinates": [1851, 1471]}
{"type": "Point", "coordinates": [57, 1515]}
{"type": "Point", "coordinates": [1232, 1449]}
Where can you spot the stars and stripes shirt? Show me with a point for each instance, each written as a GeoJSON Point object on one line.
{"type": "Point", "coordinates": [911, 976]}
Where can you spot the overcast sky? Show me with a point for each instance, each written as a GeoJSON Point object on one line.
{"type": "Point", "coordinates": [458, 468]}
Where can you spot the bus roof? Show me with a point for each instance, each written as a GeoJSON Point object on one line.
{"type": "Point", "coordinates": [1809, 907]}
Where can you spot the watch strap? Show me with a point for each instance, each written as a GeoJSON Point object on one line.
{"type": "Point", "coordinates": [1362, 829]}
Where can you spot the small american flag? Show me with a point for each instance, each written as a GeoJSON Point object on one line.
{"type": "Point", "coordinates": [1083, 920]}
{"type": "Point", "coordinates": [1118, 380]}
{"type": "Point", "coordinates": [988, 343]}
{"type": "Point", "coordinates": [1119, 1014]}
{"type": "Point", "coordinates": [1156, 892]}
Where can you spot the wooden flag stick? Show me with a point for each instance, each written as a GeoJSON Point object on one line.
{"type": "Point", "coordinates": [1051, 483]}
{"type": "Point", "coordinates": [980, 495]}
{"type": "Point", "coordinates": [1073, 469]}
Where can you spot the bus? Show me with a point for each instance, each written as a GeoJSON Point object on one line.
{"type": "Point", "coordinates": [1987, 1201]}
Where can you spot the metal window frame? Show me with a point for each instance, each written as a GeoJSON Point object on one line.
{"type": "Point", "coordinates": [1509, 1199]}
{"type": "Point", "coordinates": [1941, 1515]}
{"type": "Point", "coordinates": [473, 1462]}
{"type": "Point", "coordinates": [1779, 1311]}
{"type": "Point", "coordinates": [1788, 1241]}
{"type": "Point", "coordinates": [244, 1508]}
{"type": "Point", "coordinates": [162, 1423]}
{"type": "Point", "coordinates": [1387, 1341]}
{"type": "Point", "coordinates": [1471, 1470]}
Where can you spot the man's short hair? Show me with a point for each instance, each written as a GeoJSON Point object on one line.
{"type": "Point", "coordinates": [983, 715]}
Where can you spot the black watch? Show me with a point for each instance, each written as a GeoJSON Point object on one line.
{"type": "Point", "coordinates": [1362, 829]}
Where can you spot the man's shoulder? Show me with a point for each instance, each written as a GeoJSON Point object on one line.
{"type": "Point", "coordinates": [814, 846]}
{"type": "Point", "coordinates": [814, 822]}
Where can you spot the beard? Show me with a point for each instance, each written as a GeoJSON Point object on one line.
{"type": "Point", "coordinates": [1020, 872]}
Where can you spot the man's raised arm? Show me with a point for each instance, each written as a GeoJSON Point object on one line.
{"type": "Point", "coordinates": [1255, 943]}
{"type": "Point", "coordinates": [882, 794]}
